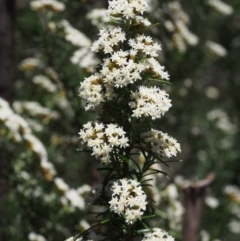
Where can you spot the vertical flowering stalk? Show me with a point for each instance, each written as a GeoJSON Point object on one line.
{"type": "Point", "coordinates": [126, 105]}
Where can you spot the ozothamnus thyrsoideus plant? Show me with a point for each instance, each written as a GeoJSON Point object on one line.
{"type": "Point", "coordinates": [126, 104]}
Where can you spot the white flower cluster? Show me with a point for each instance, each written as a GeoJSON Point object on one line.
{"type": "Point", "coordinates": [33, 108]}
{"type": "Point", "coordinates": [234, 209]}
{"type": "Point", "coordinates": [174, 208]}
{"type": "Point", "coordinates": [233, 226]}
{"type": "Point", "coordinates": [151, 101]}
{"type": "Point", "coordinates": [36, 237]}
{"type": "Point", "coordinates": [95, 91]}
{"type": "Point", "coordinates": [157, 235]}
{"type": "Point", "coordinates": [216, 48]}
{"type": "Point", "coordinates": [30, 64]}
{"type": "Point", "coordinates": [233, 192]}
{"type": "Point", "coordinates": [157, 69]}
{"type": "Point", "coordinates": [41, 5]}
{"type": "Point", "coordinates": [145, 44]}
{"type": "Point", "coordinates": [222, 121]}
{"type": "Point", "coordinates": [32, 189]}
{"type": "Point", "coordinates": [128, 9]}
{"type": "Point", "coordinates": [171, 192]}
{"type": "Point", "coordinates": [220, 6]}
{"type": "Point", "coordinates": [73, 239]}
{"type": "Point", "coordinates": [36, 145]}
{"type": "Point", "coordinates": [181, 182]}
{"type": "Point", "coordinates": [122, 68]}
{"type": "Point", "coordinates": [211, 92]}
{"type": "Point", "coordinates": [90, 237]}
{"type": "Point", "coordinates": [83, 56]}
{"type": "Point", "coordinates": [74, 198]}
{"type": "Point", "coordinates": [160, 143]}
{"type": "Point", "coordinates": [189, 37]}
{"type": "Point", "coordinates": [15, 124]}
{"type": "Point", "coordinates": [74, 36]}
{"type": "Point", "coordinates": [204, 235]}
{"type": "Point", "coordinates": [85, 59]}
{"type": "Point", "coordinates": [103, 138]}
{"type": "Point", "coordinates": [174, 8]}
{"type": "Point", "coordinates": [120, 71]}
{"type": "Point", "coordinates": [48, 169]}
{"type": "Point", "coordinates": [98, 17]}
{"type": "Point", "coordinates": [176, 23]}
{"type": "Point", "coordinates": [211, 202]}
{"type": "Point", "coordinates": [20, 131]}
{"type": "Point", "coordinates": [109, 39]}
{"type": "Point", "coordinates": [34, 125]}
{"type": "Point", "coordinates": [128, 199]}
{"type": "Point", "coordinates": [45, 83]}
{"type": "Point", "coordinates": [61, 184]}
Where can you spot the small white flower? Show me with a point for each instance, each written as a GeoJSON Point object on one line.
{"type": "Point", "coordinates": [85, 59]}
{"type": "Point", "coordinates": [98, 17]}
{"type": "Point", "coordinates": [127, 9]}
{"type": "Point", "coordinates": [161, 143]}
{"type": "Point", "coordinates": [212, 202]}
{"type": "Point", "coordinates": [204, 235]}
{"type": "Point", "coordinates": [157, 234]}
{"type": "Point", "coordinates": [35, 145]}
{"type": "Point", "coordinates": [212, 92]}
{"type": "Point", "coordinates": [220, 6]}
{"type": "Point", "coordinates": [171, 192]}
{"type": "Point", "coordinates": [75, 199]}
{"type": "Point", "coordinates": [189, 37]}
{"type": "Point", "coordinates": [222, 121]}
{"type": "Point", "coordinates": [128, 199]}
{"type": "Point", "coordinates": [151, 102]}
{"type": "Point", "coordinates": [91, 89]}
{"type": "Point", "coordinates": [233, 192]}
{"type": "Point", "coordinates": [48, 168]}
{"type": "Point", "coordinates": [145, 44]}
{"type": "Point", "coordinates": [35, 109]}
{"type": "Point", "coordinates": [103, 138]}
{"type": "Point", "coordinates": [61, 185]}
{"type": "Point", "coordinates": [45, 83]}
{"type": "Point", "coordinates": [41, 5]}
{"type": "Point", "coordinates": [74, 36]}
{"type": "Point", "coordinates": [29, 64]}
{"type": "Point", "coordinates": [109, 37]}
{"type": "Point", "coordinates": [158, 69]}
{"type": "Point", "coordinates": [74, 239]}
{"type": "Point", "coordinates": [216, 48]}
{"type": "Point", "coordinates": [36, 237]}
{"type": "Point", "coordinates": [234, 226]}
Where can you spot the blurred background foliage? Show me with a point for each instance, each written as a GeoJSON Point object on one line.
{"type": "Point", "coordinates": [46, 190]}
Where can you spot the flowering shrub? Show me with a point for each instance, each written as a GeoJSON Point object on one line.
{"type": "Point", "coordinates": [128, 199]}
{"type": "Point", "coordinates": [34, 136]}
{"type": "Point", "coordinates": [121, 95]}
